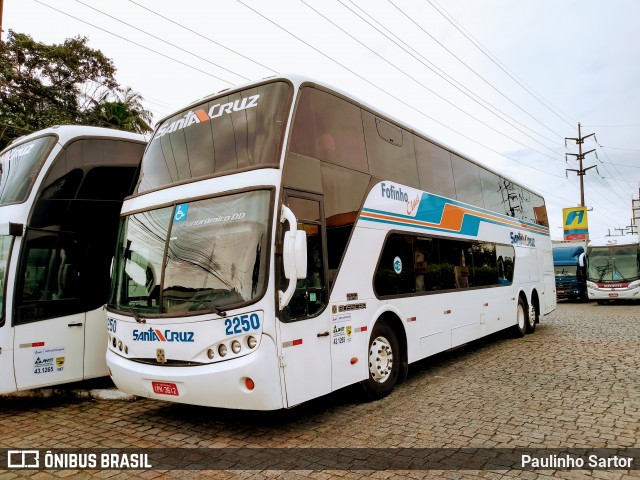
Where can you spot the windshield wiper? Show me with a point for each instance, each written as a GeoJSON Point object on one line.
{"type": "Point", "coordinates": [210, 306]}
{"type": "Point", "coordinates": [138, 318]}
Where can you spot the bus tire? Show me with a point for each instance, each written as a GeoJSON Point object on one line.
{"type": "Point", "coordinates": [520, 328]}
{"type": "Point", "coordinates": [532, 316]}
{"type": "Point", "coordinates": [384, 358]}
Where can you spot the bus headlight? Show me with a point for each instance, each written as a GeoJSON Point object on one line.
{"type": "Point", "coordinates": [235, 346]}
{"type": "Point", "coordinates": [252, 342]}
{"type": "Point", "coordinates": [222, 350]}
{"type": "Point", "coordinates": [210, 354]}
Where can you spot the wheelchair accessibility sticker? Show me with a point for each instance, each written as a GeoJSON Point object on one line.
{"type": "Point", "coordinates": [181, 212]}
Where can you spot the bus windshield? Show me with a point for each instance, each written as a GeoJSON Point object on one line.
{"type": "Point", "coordinates": [617, 264]}
{"type": "Point", "coordinates": [214, 254]}
{"type": "Point", "coordinates": [229, 133]}
{"type": "Point", "coordinates": [19, 167]}
{"type": "Point", "coordinates": [566, 271]}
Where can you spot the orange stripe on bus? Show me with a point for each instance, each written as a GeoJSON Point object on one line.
{"type": "Point", "coordinates": [202, 115]}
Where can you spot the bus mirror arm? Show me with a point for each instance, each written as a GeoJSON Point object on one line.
{"type": "Point", "coordinates": [294, 256]}
{"type": "Point", "coordinates": [10, 228]}
{"type": "Point", "coordinates": [582, 260]}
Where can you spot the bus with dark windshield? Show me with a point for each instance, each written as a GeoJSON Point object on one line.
{"type": "Point", "coordinates": [286, 240]}
{"type": "Point", "coordinates": [570, 269]}
{"type": "Point", "coordinates": [61, 191]}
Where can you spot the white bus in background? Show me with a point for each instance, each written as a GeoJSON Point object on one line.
{"type": "Point", "coordinates": [613, 271]}
{"type": "Point", "coordinates": [285, 240]}
{"type": "Point", "coordinates": [61, 191]}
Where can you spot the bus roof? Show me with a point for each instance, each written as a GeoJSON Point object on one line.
{"type": "Point", "coordinates": [567, 254]}
{"type": "Point", "coordinates": [299, 80]}
{"type": "Point", "coordinates": [68, 132]}
{"type": "Point", "coordinates": [614, 240]}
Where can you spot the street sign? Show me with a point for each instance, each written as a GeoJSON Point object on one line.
{"type": "Point", "coordinates": [576, 225]}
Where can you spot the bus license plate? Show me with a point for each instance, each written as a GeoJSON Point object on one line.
{"type": "Point", "coordinates": [165, 388]}
{"type": "Point", "coordinates": [613, 295]}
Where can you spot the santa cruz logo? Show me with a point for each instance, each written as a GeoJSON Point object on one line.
{"type": "Point", "coordinates": [522, 239]}
{"type": "Point", "coordinates": [155, 335]}
{"type": "Point", "coordinates": [200, 115]}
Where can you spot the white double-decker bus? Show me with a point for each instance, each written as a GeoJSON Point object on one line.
{"type": "Point", "coordinates": [61, 191]}
{"type": "Point", "coordinates": [285, 240]}
{"type": "Point", "coordinates": [613, 271]}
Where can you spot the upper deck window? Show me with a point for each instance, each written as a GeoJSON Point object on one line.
{"type": "Point", "coordinates": [329, 129]}
{"type": "Point", "coordinates": [226, 134]}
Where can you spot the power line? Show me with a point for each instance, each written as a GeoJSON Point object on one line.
{"type": "Point", "coordinates": [203, 36]}
{"type": "Point", "coordinates": [486, 52]}
{"type": "Point", "coordinates": [492, 57]}
{"type": "Point", "coordinates": [393, 96]}
{"type": "Point", "coordinates": [473, 70]}
{"type": "Point", "coordinates": [606, 165]}
{"type": "Point", "coordinates": [612, 126]}
{"type": "Point", "coordinates": [449, 79]}
{"type": "Point", "coordinates": [618, 148]}
{"type": "Point", "coordinates": [161, 39]}
{"type": "Point", "coordinates": [423, 85]}
{"type": "Point", "coordinates": [135, 43]}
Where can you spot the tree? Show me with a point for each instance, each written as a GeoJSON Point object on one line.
{"type": "Point", "coordinates": [43, 85]}
{"type": "Point", "coordinates": [125, 112]}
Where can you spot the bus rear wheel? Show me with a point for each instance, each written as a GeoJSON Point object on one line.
{"type": "Point", "coordinates": [384, 362]}
{"type": "Point", "coordinates": [531, 318]}
{"type": "Point", "coordinates": [522, 317]}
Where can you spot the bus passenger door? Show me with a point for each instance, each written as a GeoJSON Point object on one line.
{"type": "Point", "coordinates": [304, 327]}
{"type": "Point", "coordinates": [49, 321]}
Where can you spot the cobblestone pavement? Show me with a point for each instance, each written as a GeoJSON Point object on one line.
{"type": "Point", "coordinates": [574, 383]}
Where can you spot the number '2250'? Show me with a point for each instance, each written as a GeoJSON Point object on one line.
{"type": "Point", "coordinates": [243, 323]}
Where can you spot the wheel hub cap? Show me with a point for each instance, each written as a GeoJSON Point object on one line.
{"type": "Point", "coordinates": [380, 359]}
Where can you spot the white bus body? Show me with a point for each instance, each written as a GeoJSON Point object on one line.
{"type": "Point", "coordinates": [249, 190]}
{"type": "Point", "coordinates": [61, 191]}
{"type": "Point", "coordinates": [613, 268]}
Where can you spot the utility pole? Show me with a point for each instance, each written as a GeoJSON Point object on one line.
{"type": "Point", "coordinates": [580, 156]}
{"type": "Point", "coordinates": [635, 210]}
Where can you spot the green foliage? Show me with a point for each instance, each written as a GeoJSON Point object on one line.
{"type": "Point", "coordinates": [43, 85]}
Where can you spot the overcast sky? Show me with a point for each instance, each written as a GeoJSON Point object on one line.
{"type": "Point", "coordinates": [502, 81]}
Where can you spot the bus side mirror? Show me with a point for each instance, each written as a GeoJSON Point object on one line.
{"type": "Point", "coordinates": [294, 256]}
{"type": "Point", "coordinates": [582, 260]}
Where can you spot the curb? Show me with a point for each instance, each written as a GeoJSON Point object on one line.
{"type": "Point", "coordinates": [92, 394]}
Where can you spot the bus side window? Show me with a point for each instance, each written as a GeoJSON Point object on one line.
{"type": "Point", "coordinates": [49, 283]}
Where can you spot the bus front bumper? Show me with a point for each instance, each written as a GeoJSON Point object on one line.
{"type": "Point", "coordinates": [221, 385]}
{"type": "Point", "coordinates": [614, 294]}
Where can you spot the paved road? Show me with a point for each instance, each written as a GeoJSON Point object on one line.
{"type": "Point", "coordinates": [574, 383]}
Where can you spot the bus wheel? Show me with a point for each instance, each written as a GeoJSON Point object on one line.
{"type": "Point", "coordinates": [520, 328]}
{"type": "Point", "coordinates": [384, 362]}
{"type": "Point", "coordinates": [531, 319]}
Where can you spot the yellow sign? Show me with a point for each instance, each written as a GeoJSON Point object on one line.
{"type": "Point", "coordinates": [576, 225]}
